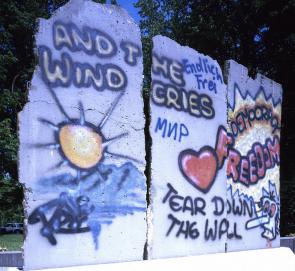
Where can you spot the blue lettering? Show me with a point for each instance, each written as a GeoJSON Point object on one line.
{"type": "Point", "coordinates": [183, 131]}
{"type": "Point", "coordinates": [160, 124]}
{"type": "Point", "coordinates": [175, 130]}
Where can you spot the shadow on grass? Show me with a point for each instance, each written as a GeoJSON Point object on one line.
{"type": "Point", "coordinates": [11, 242]}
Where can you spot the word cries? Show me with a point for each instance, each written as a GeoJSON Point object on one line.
{"type": "Point", "coordinates": [213, 228]}
{"type": "Point", "coordinates": [173, 95]}
{"type": "Point", "coordinates": [65, 71]}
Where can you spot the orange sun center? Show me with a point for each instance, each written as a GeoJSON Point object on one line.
{"type": "Point", "coordinates": [81, 145]}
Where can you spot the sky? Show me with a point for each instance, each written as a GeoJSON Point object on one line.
{"type": "Point", "coordinates": [128, 5]}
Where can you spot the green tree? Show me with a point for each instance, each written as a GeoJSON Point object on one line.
{"type": "Point", "coordinates": [18, 22]}
{"type": "Point", "coordinates": [256, 33]}
{"type": "Point", "coordinates": [17, 26]}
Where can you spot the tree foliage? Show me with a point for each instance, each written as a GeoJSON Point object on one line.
{"type": "Point", "coordinates": [18, 22]}
{"type": "Point", "coordinates": [17, 26]}
{"type": "Point", "coordinates": [258, 34]}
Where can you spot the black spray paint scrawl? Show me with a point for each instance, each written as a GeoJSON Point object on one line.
{"type": "Point", "coordinates": [81, 143]}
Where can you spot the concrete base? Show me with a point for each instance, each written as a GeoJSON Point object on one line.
{"type": "Point", "coordinates": [11, 258]}
{"type": "Point", "coordinates": [288, 242]}
{"type": "Point", "coordinates": [267, 259]}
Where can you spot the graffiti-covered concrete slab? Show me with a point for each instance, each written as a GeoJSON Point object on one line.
{"type": "Point", "coordinates": [81, 140]}
{"type": "Point", "coordinates": [188, 128]}
{"type": "Point", "coordinates": [253, 170]}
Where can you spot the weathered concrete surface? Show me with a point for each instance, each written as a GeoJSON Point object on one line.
{"type": "Point", "coordinates": [288, 242]}
{"type": "Point", "coordinates": [188, 112]}
{"type": "Point", "coordinates": [82, 142]}
{"type": "Point", "coordinates": [254, 118]}
{"type": "Point", "coordinates": [11, 258]}
{"type": "Point", "coordinates": [14, 258]}
{"type": "Point", "coordinates": [263, 259]}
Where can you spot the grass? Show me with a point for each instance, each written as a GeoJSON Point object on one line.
{"type": "Point", "coordinates": [11, 241]}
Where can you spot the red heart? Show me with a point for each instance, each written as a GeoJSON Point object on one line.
{"type": "Point", "coordinates": [199, 168]}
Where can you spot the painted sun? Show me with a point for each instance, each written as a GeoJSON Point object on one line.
{"type": "Point", "coordinates": [81, 144]}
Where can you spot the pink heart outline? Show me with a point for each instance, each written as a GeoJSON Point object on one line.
{"type": "Point", "coordinates": [197, 154]}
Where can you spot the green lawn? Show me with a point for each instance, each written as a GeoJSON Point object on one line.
{"type": "Point", "coordinates": [11, 241]}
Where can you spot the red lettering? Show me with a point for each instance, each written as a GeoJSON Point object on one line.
{"type": "Point", "coordinates": [244, 171]}
{"type": "Point", "coordinates": [260, 160]}
{"type": "Point", "coordinates": [250, 168]}
{"type": "Point", "coordinates": [233, 163]}
{"type": "Point", "coordinates": [267, 158]}
{"type": "Point", "coordinates": [274, 150]}
{"type": "Point", "coordinates": [222, 144]}
{"type": "Point", "coordinates": [253, 167]}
